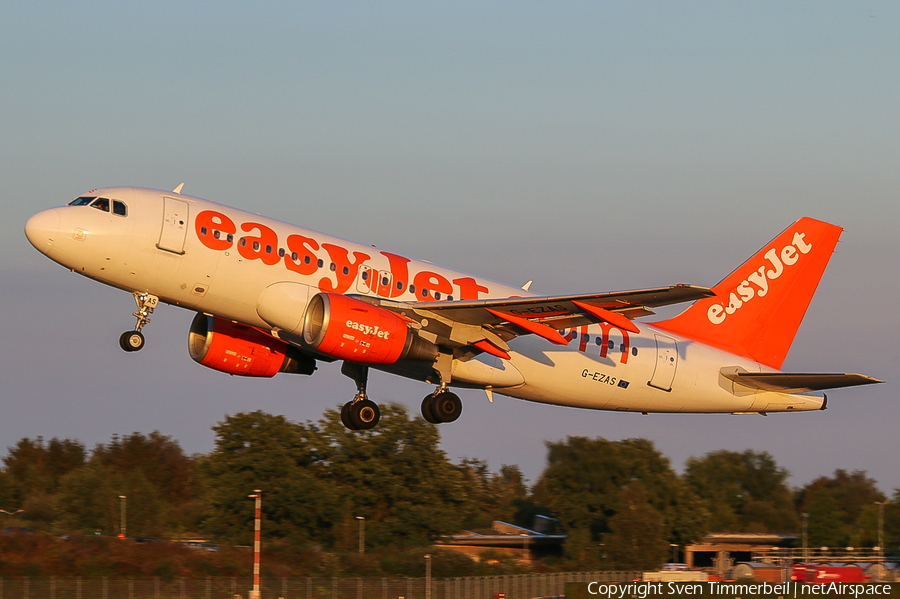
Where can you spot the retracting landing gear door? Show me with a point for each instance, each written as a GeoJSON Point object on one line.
{"type": "Point", "coordinates": [174, 226]}
{"type": "Point", "coordinates": [666, 362]}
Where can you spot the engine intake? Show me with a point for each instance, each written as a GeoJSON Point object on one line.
{"type": "Point", "coordinates": [239, 349]}
{"type": "Point", "coordinates": [349, 329]}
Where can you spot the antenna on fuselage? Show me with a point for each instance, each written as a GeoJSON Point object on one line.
{"type": "Point", "coordinates": [527, 285]}
{"type": "Point", "coordinates": [179, 188]}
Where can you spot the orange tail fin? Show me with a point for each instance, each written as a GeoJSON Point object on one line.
{"type": "Point", "coordinates": [758, 308]}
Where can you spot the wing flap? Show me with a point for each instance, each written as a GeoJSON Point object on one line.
{"type": "Point", "coordinates": [797, 382]}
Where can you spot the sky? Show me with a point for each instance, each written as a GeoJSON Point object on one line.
{"type": "Point", "coordinates": [587, 146]}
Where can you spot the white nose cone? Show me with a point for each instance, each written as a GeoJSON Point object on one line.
{"type": "Point", "coordinates": [42, 229]}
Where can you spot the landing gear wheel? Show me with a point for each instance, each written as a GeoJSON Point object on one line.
{"type": "Point", "coordinates": [131, 341]}
{"type": "Point", "coordinates": [427, 412]}
{"type": "Point", "coordinates": [364, 414]}
{"type": "Point", "coordinates": [345, 416]}
{"type": "Point", "coordinates": [446, 406]}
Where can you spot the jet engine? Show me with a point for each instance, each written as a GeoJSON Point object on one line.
{"type": "Point", "coordinates": [349, 329]}
{"type": "Point", "coordinates": [238, 349]}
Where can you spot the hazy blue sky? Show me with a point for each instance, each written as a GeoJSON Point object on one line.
{"type": "Point", "coordinates": [587, 146]}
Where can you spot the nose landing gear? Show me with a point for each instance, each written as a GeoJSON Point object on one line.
{"type": "Point", "coordinates": [134, 340]}
{"type": "Point", "coordinates": [360, 414]}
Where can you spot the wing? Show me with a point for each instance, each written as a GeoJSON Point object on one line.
{"type": "Point", "coordinates": [488, 324]}
{"type": "Point", "coordinates": [797, 382]}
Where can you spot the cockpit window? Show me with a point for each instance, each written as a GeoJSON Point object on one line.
{"type": "Point", "coordinates": [101, 204]}
{"type": "Point", "coordinates": [82, 201]}
{"type": "Point", "coordinates": [120, 208]}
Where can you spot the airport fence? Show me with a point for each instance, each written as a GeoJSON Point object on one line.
{"type": "Point", "coordinates": [524, 586]}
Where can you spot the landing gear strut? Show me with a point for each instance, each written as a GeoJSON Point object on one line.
{"type": "Point", "coordinates": [361, 413]}
{"type": "Point", "coordinates": [134, 340]}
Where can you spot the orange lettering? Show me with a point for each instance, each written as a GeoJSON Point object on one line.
{"type": "Point", "coordinates": [207, 223]}
{"type": "Point", "coordinates": [264, 247]}
{"type": "Point", "coordinates": [428, 282]}
{"type": "Point", "coordinates": [469, 288]}
{"type": "Point", "coordinates": [399, 271]}
{"type": "Point", "coordinates": [306, 262]}
{"type": "Point", "coordinates": [345, 270]}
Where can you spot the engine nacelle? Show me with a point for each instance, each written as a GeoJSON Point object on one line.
{"type": "Point", "coordinates": [349, 329]}
{"type": "Point", "coordinates": [238, 349]}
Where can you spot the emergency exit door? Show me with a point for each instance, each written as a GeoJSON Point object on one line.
{"type": "Point", "coordinates": [174, 225]}
{"type": "Point", "coordinates": [666, 363]}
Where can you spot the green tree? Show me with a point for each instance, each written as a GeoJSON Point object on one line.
{"type": "Point", "coordinates": [261, 451]}
{"type": "Point", "coordinates": [494, 495]}
{"type": "Point", "coordinates": [396, 477]}
{"type": "Point", "coordinates": [584, 484]}
{"type": "Point", "coordinates": [845, 502]}
{"type": "Point", "coordinates": [743, 491]}
{"type": "Point", "coordinates": [635, 540]}
{"type": "Point", "coordinates": [33, 466]}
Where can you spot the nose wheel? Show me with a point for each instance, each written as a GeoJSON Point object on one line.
{"type": "Point", "coordinates": [134, 340]}
{"type": "Point", "coordinates": [131, 340]}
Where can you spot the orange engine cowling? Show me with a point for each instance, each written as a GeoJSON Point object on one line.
{"type": "Point", "coordinates": [235, 348]}
{"type": "Point", "coordinates": [348, 329]}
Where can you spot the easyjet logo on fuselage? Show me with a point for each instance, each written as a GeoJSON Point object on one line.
{"type": "Point", "coordinates": [307, 256]}
{"type": "Point", "coordinates": [757, 283]}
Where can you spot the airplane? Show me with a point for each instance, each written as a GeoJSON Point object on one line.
{"type": "Point", "coordinates": [271, 298]}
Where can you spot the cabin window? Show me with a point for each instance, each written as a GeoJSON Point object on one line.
{"type": "Point", "coordinates": [424, 292]}
{"type": "Point", "coordinates": [365, 275]}
{"type": "Point", "coordinates": [255, 246]}
{"type": "Point", "coordinates": [437, 295]}
{"type": "Point", "coordinates": [412, 288]}
{"type": "Point", "coordinates": [203, 231]}
{"type": "Point", "coordinates": [400, 285]}
{"type": "Point", "coordinates": [574, 334]}
{"type": "Point", "coordinates": [633, 351]}
{"type": "Point", "coordinates": [120, 208]}
{"type": "Point", "coordinates": [294, 257]}
{"type": "Point", "coordinates": [599, 341]}
{"type": "Point", "coordinates": [320, 263]}
{"type": "Point", "coordinates": [82, 201]}
{"type": "Point", "coordinates": [622, 348]}
{"type": "Point", "coordinates": [385, 281]}
{"type": "Point", "coordinates": [101, 204]}
{"type": "Point", "coordinates": [216, 233]}
{"type": "Point", "coordinates": [449, 298]}
{"type": "Point", "coordinates": [281, 252]}
{"type": "Point", "coordinates": [333, 267]}
{"type": "Point", "coordinates": [230, 238]}
{"type": "Point", "coordinates": [243, 241]}
{"type": "Point", "coordinates": [268, 249]}
{"type": "Point", "coordinates": [612, 344]}
{"type": "Point", "coordinates": [346, 270]}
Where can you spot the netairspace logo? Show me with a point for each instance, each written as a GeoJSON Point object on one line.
{"type": "Point", "coordinates": [643, 590]}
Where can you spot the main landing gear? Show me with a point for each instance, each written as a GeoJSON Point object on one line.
{"type": "Point", "coordinates": [134, 340]}
{"type": "Point", "coordinates": [441, 406]}
{"type": "Point", "coordinates": [360, 414]}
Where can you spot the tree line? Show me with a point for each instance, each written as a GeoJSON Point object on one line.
{"type": "Point", "coordinates": [620, 502]}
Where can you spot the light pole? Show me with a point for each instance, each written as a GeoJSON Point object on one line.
{"type": "Point", "coordinates": [257, 494]}
{"type": "Point", "coordinates": [805, 518]}
{"type": "Point", "coordinates": [674, 552]}
{"type": "Point", "coordinates": [427, 576]}
{"type": "Point", "coordinates": [881, 505]}
{"type": "Point", "coordinates": [122, 517]}
{"type": "Point", "coordinates": [362, 534]}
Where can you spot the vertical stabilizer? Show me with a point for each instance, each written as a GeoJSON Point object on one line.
{"type": "Point", "coordinates": [757, 309]}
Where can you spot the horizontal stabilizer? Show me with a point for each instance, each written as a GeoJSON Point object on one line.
{"type": "Point", "coordinates": [797, 382]}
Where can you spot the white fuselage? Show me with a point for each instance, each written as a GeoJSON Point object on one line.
{"type": "Point", "coordinates": [210, 258]}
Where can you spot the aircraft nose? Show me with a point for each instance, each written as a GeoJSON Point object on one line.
{"type": "Point", "coordinates": [42, 229]}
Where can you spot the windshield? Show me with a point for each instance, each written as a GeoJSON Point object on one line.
{"type": "Point", "coordinates": [82, 201]}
